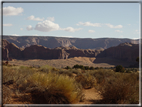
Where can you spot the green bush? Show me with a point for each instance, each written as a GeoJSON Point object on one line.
{"type": "Point", "coordinates": [67, 67]}
{"type": "Point", "coordinates": [86, 67]}
{"type": "Point", "coordinates": [92, 68]}
{"type": "Point", "coordinates": [119, 68]}
{"type": "Point", "coordinates": [79, 66]}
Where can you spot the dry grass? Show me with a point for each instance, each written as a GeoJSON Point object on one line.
{"type": "Point", "coordinates": [48, 85]}
{"type": "Point", "coordinates": [86, 80]}
{"type": "Point", "coordinates": [120, 89]}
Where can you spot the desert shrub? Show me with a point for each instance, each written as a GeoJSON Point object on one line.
{"type": "Point", "coordinates": [46, 68]}
{"type": "Point", "coordinates": [128, 71]}
{"type": "Point", "coordinates": [6, 95]}
{"type": "Point", "coordinates": [86, 67]}
{"type": "Point", "coordinates": [52, 88]}
{"type": "Point", "coordinates": [101, 74]}
{"type": "Point", "coordinates": [76, 71]}
{"type": "Point", "coordinates": [97, 68]}
{"type": "Point", "coordinates": [79, 66]}
{"type": "Point", "coordinates": [122, 89]}
{"type": "Point", "coordinates": [119, 68]}
{"type": "Point", "coordinates": [63, 72]}
{"type": "Point", "coordinates": [67, 67]}
{"type": "Point", "coordinates": [55, 69]}
{"type": "Point", "coordinates": [87, 81]}
{"type": "Point", "coordinates": [8, 74]}
{"type": "Point", "coordinates": [92, 68]}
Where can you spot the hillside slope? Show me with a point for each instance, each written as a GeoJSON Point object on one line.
{"type": "Point", "coordinates": [53, 42]}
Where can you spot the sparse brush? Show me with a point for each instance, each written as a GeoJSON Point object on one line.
{"type": "Point", "coordinates": [101, 74]}
{"type": "Point", "coordinates": [46, 68]}
{"type": "Point", "coordinates": [87, 81]}
{"type": "Point", "coordinates": [53, 88]}
{"type": "Point", "coordinates": [121, 90]}
{"type": "Point", "coordinates": [6, 95]}
{"type": "Point", "coordinates": [65, 72]}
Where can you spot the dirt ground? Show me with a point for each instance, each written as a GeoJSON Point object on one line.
{"type": "Point", "coordinates": [61, 63]}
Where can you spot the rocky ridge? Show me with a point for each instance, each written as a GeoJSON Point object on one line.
{"type": "Point", "coordinates": [124, 51]}
{"type": "Point", "coordinates": [53, 42]}
{"type": "Point", "coordinates": [10, 50]}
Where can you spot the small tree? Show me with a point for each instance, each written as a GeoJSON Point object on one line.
{"type": "Point", "coordinates": [67, 67]}
{"type": "Point", "coordinates": [120, 68]}
{"type": "Point", "coordinates": [92, 68]}
{"type": "Point", "coordinates": [86, 67]}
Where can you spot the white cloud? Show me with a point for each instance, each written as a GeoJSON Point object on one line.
{"type": "Point", "coordinates": [89, 24]}
{"type": "Point", "coordinates": [11, 11]}
{"type": "Point", "coordinates": [112, 26]}
{"type": "Point", "coordinates": [91, 31]}
{"type": "Point", "coordinates": [9, 24]}
{"type": "Point", "coordinates": [65, 36]}
{"type": "Point", "coordinates": [70, 29]}
{"type": "Point", "coordinates": [50, 18]}
{"type": "Point", "coordinates": [21, 28]}
{"type": "Point", "coordinates": [47, 26]}
{"type": "Point", "coordinates": [118, 31]}
{"type": "Point", "coordinates": [35, 35]}
{"type": "Point", "coordinates": [15, 35]}
{"type": "Point", "coordinates": [32, 17]}
{"type": "Point", "coordinates": [135, 38]}
{"type": "Point", "coordinates": [129, 24]}
{"type": "Point", "coordinates": [29, 27]}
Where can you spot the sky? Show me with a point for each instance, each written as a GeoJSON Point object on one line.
{"type": "Point", "coordinates": [79, 20]}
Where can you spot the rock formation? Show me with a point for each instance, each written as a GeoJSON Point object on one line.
{"type": "Point", "coordinates": [52, 42]}
{"type": "Point", "coordinates": [125, 52]}
{"type": "Point", "coordinates": [41, 52]}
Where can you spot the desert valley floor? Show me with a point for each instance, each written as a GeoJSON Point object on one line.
{"type": "Point", "coordinates": [61, 63]}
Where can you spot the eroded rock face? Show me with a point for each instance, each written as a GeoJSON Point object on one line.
{"type": "Point", "coordinates": [41, 52]}
{"type": "Point", "coordinates": [124, 51]}
{"type": "Point", "coordinates": [52, 42]}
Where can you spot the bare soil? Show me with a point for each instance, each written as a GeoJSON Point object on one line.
{"type": "Point", "coordinates": [61, 63]}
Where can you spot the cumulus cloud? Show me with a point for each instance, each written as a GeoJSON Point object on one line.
{"type": "Point", "coordinates": [9, 24]}
{"type": "Point", "coordinates": [129, 24]}
{"type": "Point", "coordinates": [12, 11]}
{"type": "Point", "coordinates": [21, 28]}
{"type": "Point", "coordinates": [50, 18]}
{"type": "Point", "coordinates": [112, 26]}
{"type": "Point", "coordinates": [29, 27]}
{"type": "Point", "coordinates": [47, 26]}
{"type": "Point", "coordinates": [70, 29]}
{"type": "Point", "coordinates": [89, 24]}
{"type": "Point", "coordinates": [15, 35]}
{"type": "Point", "coordinates": [91, 31]}
{"type": "Point", "coordinates": [32, 17]}
{"type": "Point", "coordinates": [118, 31]}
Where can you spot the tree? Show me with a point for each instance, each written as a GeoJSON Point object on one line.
{"type": "Point", "coordinates": [119, 68]}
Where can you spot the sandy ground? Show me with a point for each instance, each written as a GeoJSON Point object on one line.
{"type": "Point", "coordinates": [91, 96]}
{"type": "Point", "coordinates": [61, 63]}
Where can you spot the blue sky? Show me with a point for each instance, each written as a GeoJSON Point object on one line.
{"type": "Point", "coordinates": [81, 20]}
